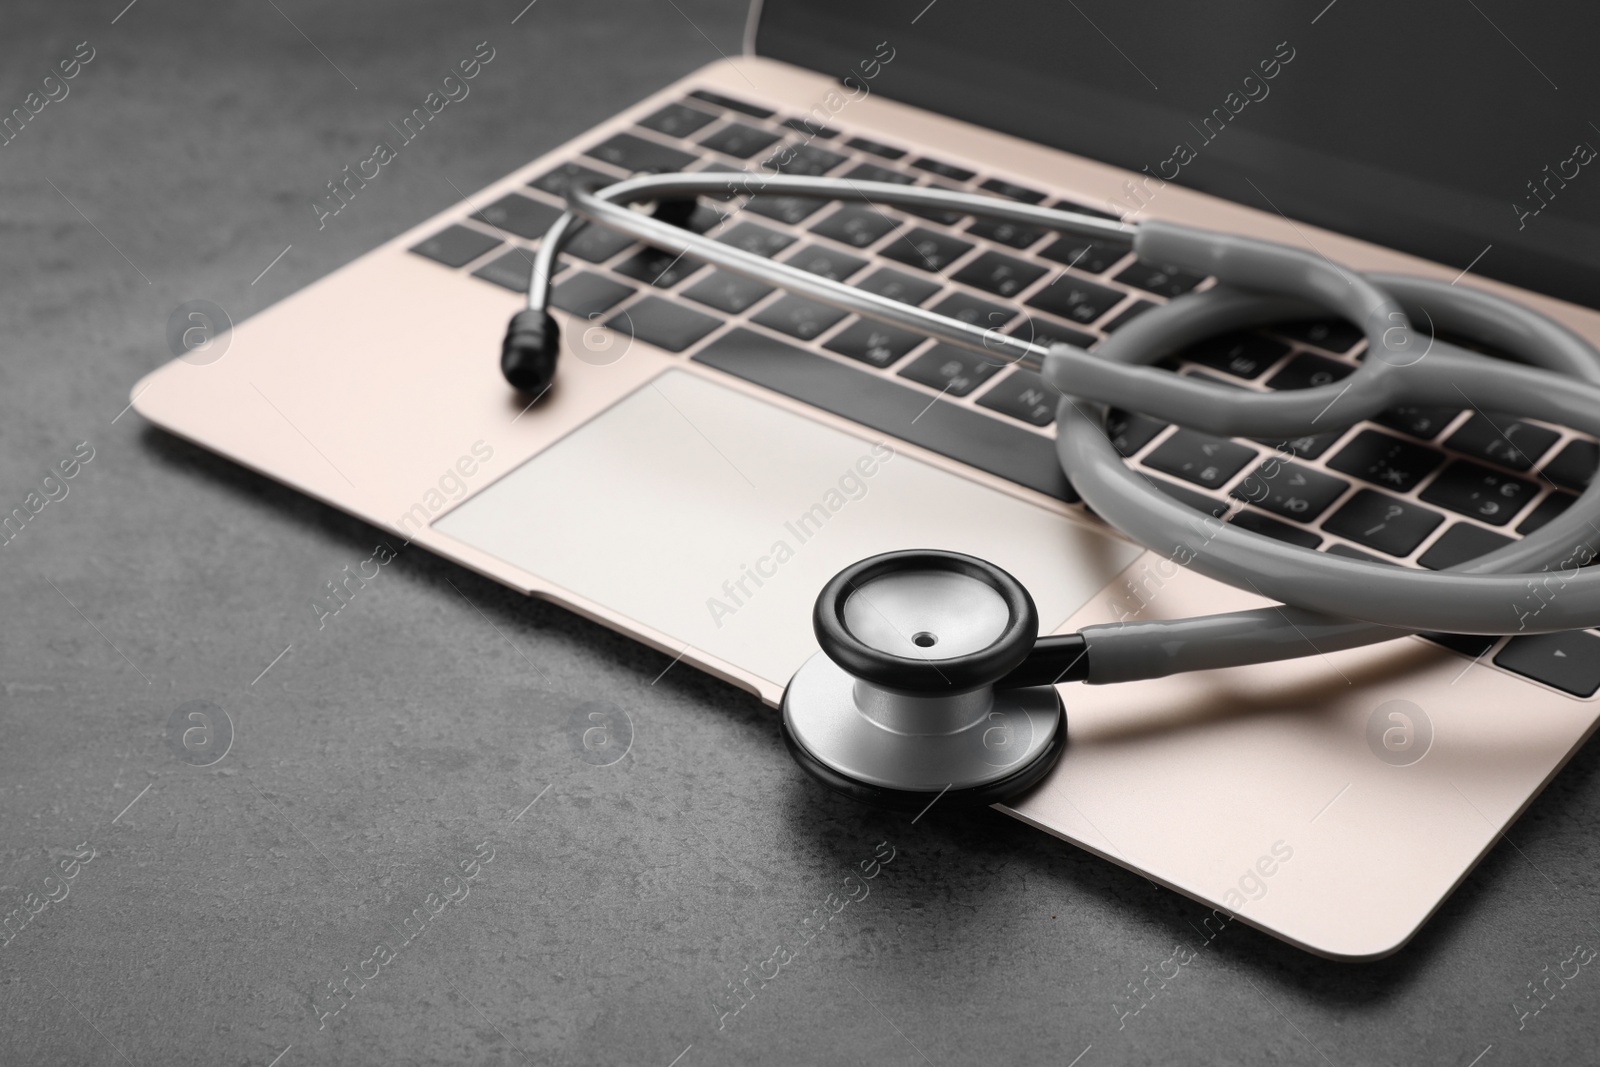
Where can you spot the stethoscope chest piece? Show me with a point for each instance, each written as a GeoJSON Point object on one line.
{"type": "Point", "coordinates": [901, 704]}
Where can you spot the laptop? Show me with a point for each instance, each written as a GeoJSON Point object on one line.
{"type": "Point", "coordinates": [713, 451]}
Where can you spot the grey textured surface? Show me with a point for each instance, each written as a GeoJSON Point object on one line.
{"type": "Point", "coordinates": [382, 749]}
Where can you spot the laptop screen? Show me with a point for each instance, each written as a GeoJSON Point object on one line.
{"type": "Point", "coordinates": [1464, 131]}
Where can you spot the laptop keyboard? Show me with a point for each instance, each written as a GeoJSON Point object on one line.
{"type": "Point", "coordinates": [1417, 486]}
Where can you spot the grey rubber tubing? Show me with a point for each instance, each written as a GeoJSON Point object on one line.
{"type": "Point", "coordinates": [1327, 603]}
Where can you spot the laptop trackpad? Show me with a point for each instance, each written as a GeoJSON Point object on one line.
{"type": "Point", "coordinates": [715, 518]}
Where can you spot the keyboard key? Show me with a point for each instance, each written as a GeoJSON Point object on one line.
{"type": "Point", "coordinates": [1214, 379]}
{"type": "Point", "coordinates": [1161, 280]}
{"type": "Point", "coordinates": [1023, 395]}
{"type": "Point", "coordinates": [1308, 370]}
{"type": "Point", "coordinates": [1043, 331]}
{"type": "Point", "coordinates": [943, 216]}
{"type": "Point", "coordinates": [897, 285]}
{"type": "Point", "coordinates": [803, 159]}
{"type": "Point", "coordinates": [518, 214]}
{"type": "Point", "coordinates": [1309, 446]}
{"type": "Point", "coordinates": [1332, 335]}
{"type": "Point", "coordinates": [1256, 522]}
{"type": "Point", "coordinates": [798, 317]}
{"type": "Point", "coordinates": [1502, 439]}
{"type": "Point", "coordinates": [1075, 299]}
{"type": "Point", "coordinates": [558, 181]}
{"type": "Point", "coordinates": [873, 342]}
{"type": "Point", "coordinates": [926, 249]}
{"type": "Point", "coordinates": [1130, 431]}
{"type": "Point", "coordinates": [727, 292]}
{"type": "Point", "coordinates": [828, 262]}
{"type": "Point", "coordinates": [953, 371]}
{"type": "Point", "coordinates": [976, 310]}
{"type": "Point", "coordinates": [1473, 646]}
{"type": "Point", "coordinates": [731, 104]}
{"type": "Point", "coordinates": [587, 293]}
{"type": "Point", "coordinates": [855, 225]}
{"type": "Point", "coordinates": [511, 270]}
{"type": "Point", "coordinates": [1337, 549]}
{"type": "Point", "coordinates": [1014, 234]}
{"type": "Point", "coordinates": [1574, 465]}
{"type": "Point", "coordinates": [812, 129]}
{"type": "Point", "coordinates": [1480, 492]}
{"type": "Point", "coordinates": [739, 179]}
{"type": "Point", "coordinates": [661, 269]}
{"type": "Point", "coordinates": [877, 148]}
{"type": "Point", "coordinates": [871, 172]}
{"type": "Point", "coordinates": [456, 246]}
{"type": "Point", "coordinates": [634, 153]}
{"type": "Point", "coordinates": [1200, 458]}
{"type": "Point", "coordinates": [1290, 489]}
{"type": "Point", "coordinates": [1383, 522]}
{"type": "Point", "coordinates": [1567, 661]}
{"type": "Point", "coordinates": [1210, 505]}
{"type": "Point", "coordinates": [1084, 253]}
{"type": "Point", "coordinates": [791, 209]}
{"type": "Point", "coordinates": [944, 170]}
{"type": "Point", "coordinates": [1243, 355]}
{"type": "Point", "coordinates": [664, 323]}
{"type": "Point", "coordinates": [596, 244]}
{"type": "Point", "coordinates": [1423, 422]}
{"type": "Point", "coordinates": [1002, 448]}
{"type": "Point", "coordinates": [1012, 191]}
{"type": "Point", "coordinates": [1084, 209]}
{"type": "Point", "coordinates": [1385, 460]}
{"type": "Point", "coordinates": [997, 273]}
{"type": "Point", "coordinates": [739, 141]}
{"type": "Point", "coordinates": [1548, 508]}
{"type": "Point", "coordinates": [753, 237]}
{"type": "Point", "coordinates": [1461, 542]}
{"type": "Point", "coordinates": [677, 120]}
{"type": "Point", "coordinates": [1127, 315]}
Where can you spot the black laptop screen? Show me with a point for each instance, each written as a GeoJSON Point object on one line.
{"type": "Point", "coordinates": [1464, 131]}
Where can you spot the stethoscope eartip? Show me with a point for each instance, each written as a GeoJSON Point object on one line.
{"type": "Point", "coordinates": [528, 356]}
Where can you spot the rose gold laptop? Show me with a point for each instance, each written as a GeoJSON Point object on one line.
{"type": "Point", "coordinates": [713, 451]}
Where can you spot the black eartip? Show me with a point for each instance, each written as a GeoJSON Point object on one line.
{"type": "Point", "coordinates": [676, 212]}
{"type": "Point", "coordinates": [528, 356]}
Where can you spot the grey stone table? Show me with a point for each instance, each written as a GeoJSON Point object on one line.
{"type": "Point", "coordinates": [167, 912]}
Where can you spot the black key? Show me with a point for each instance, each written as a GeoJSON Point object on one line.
{"type": "Point", "coordinates": [1461, 542]}
{"type": "Point", "coordinates": [951, 370]}
{"type": "Point", "coordinates": [1290, 489]}
{"type": "Point", "coordinates": [1502, 439]}
{"type": "Point", "coordinates": [1002, 448]}
{"type": "Point", "coordinates": [740, 180]}
{"type": "Point", "coordinates": [587, 293]}
{"type": "Point", "coordinates": [558, 181]}
{"type": "Point", "coordinates": [1199, 458]}
{"type": "Point", "coordinates": [702, 219]}
{"type": "Point", "coordinates": [739, 141]}
{"type": "Point", "coordinates": [1243, 355]}
{"type": "Point", "coordinates": [877, 148]}
{"type": "Point", "coordinates": [853, 225]}
{"type": "Point", "coordinates": [1332, 335]}
{"type": "Point", "coordinates": [1423, 422]}
{"type": "Point", "coordinates": [1023, 395]}
{"type": "Point", "coordinates": [596, 244]}
{"type": "Point", "coordinates": [1548, 508]}
{"type": "Point", "coordinates": [1214, 379]}
{"type": "Point", "coordinates": [1385, 460]}
{"type": "Point", "coordinates": [518, 214]}
{"type": "Point", "coordinates": [677, 120]}
{"type": "Point", "coordinates": [1084, 253]}
{"type": "Point", "coordinates": [812, 129]}
{"type": "Point", "coordinates": [871, 172]}
{"type": "Point", "coordinates": [798, 317]}
{"type": "Point", "coordinates": [926, 250]}
{"type": "Point", "coordinates": [828, 262]}
{"type": "Point", "coordinates": [1567, 661]}
{"type": "Point", "coordinates": [1308, 370]}
{"type": "Point", "coordinates": [1161, 280]}
{"type": "Point", "coordinates": [873, 342]}
{"type": "Point", "coordinates": [1337, 549]}
{"type": "Point", "coordinates": [1574, 466]}
{"type": "Point", "coordinates": [1012, 191]}
{"type": "Point", "coordinates": [1014, 234]}
{"type": "Point", "coordinates": [1383, 522]}
{"type": "Point", "coordinates": [511, 270]}
{"type": "Point", "coordinates": [634, 153]}
{"type": "Point", "coordinates": [1256, 522]}
{"type": "Point", "coordinates": [1075, 299]}
{"type": "Point", "coordinates": [727, 292]}
{"type": "Point", "coordinates": [661, 269]}
{"type": "Point", "coordinates": [1043, 331]}
{"type": "Point", "coordinates": [456, 246]}
{"type": "Point", "coordinates": [791, 209]}
{"type": "Point", "coordinates": [944, 170]}
{"type": "Point", "coordinates": [753, 237]}
{"type": "Point", "coordinates": [1309, 446]}
{"type": "Point", "coordinates": [1127, 315]}
{"type": "Point", "coordinates": [1480, 492]}
{"type": "Point", "coordinates": [1000, 274]}
{"type": "Point", "coordinates": [1130, 431]}
{"type": "Point", "coordinates": [803, 159]}
{"type": "Point", "coordinates": [897, 285]}
{"type": "Point", "coordinates": [976, 310]}
{"type": "Point", "coordinates": [664, 323]}
{"type": "Point", "coordinates": [943, 216]}
{"type": "Point", "coordinates": [1084, 209]}
{"type": "Point", "coordinates": [731, 104]}
{"type": "Point", "coordinates": [1470, 645]}
{"type": "Point", "coordinates": [1199, 501]}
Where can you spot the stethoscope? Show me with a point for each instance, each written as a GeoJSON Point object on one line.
{"type": "Point", "coordinates": [932, 679]}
